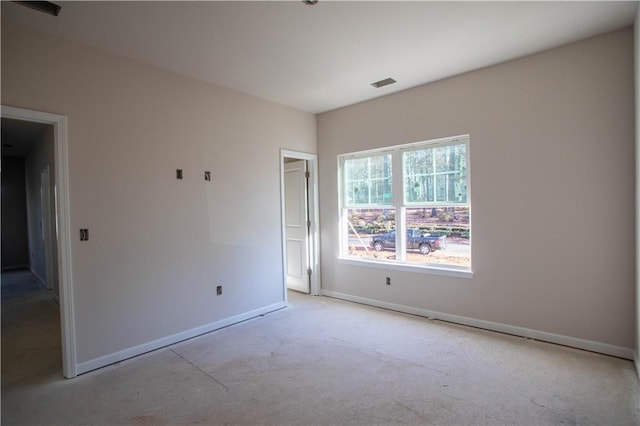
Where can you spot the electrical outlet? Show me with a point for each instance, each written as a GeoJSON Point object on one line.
{"type": "Point", "coordinates": [207, 176]}
{"type": "Point", "coordinates": [84, 234]}
{"type": "Point", "coordinates": [388, 280]}
{"type": "Point", "coordinates": [219, 290]}
{"type": "Point", "coordinates": [178, 173]}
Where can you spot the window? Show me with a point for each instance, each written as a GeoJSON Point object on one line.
{"type": "Point", "coordinates": [368, 180]}
{"type": "Point", "coordinates": [420, 218]}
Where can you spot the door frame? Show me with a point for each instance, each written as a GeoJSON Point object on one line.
{"type": "Point", "coordinates": [63, 214]}
{"type": "Point", "coordinates": [314, 235]}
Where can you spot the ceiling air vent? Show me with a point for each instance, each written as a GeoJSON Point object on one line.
{"type": "Point", "coordinates": [42, 6]}
{"type": "Point", "coordinates": [382, 83]}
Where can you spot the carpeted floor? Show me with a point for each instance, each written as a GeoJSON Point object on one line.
{"type": "Point", "coordinates": [320, 361]}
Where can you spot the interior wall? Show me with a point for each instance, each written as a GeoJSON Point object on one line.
{"type": "Point", "coordinates": [158, 247]}
{"type": "Point", "coordinates": [15, 243]}
{"type": "Point", "coordinates": [552, 172]}
{"type": "Point", "coordinates": [637, 146]}
{"type": "Point", "coordinates": [40, 156]}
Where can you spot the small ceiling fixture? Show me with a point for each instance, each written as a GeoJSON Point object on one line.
{"type": "Point", "coordinates": [310, 2]}
{"type": "Point", "coordinates": [382, 83]}
{"type": "Point", "coordinates": [42, 6]}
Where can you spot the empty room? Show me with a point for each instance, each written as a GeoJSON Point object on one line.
{"type": "Point", "coordinates": [320, 212]}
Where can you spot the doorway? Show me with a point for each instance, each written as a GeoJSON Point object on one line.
{"type": "Point", "coordinates": [299, 210]}
{"type": "Point", "coordinates": [52, 232]}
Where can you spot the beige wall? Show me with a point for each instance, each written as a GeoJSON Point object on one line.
{"type": "Point", "coordinates": [637, 109]}
{"type": "Point", "coordinates": [552, 194]}
{"type": "Point", "coordinates": [159, 246]}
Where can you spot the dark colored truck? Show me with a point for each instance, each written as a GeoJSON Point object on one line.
{"type": "Point", "coordinates": [415, 241]}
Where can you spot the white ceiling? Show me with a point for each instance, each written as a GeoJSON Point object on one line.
{"type": "Point", "coordinates": [322, 57]}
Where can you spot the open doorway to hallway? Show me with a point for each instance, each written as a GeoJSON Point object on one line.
{"type": "Point", "coordinates": [28, 192]}
{"type": "Point", "coordinates": [46, 182]}
{"type": "Point", "coordinates": [31, 336]}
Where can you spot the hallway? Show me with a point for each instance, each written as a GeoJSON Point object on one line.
{"type": "Point", "coordinates": [31, 345]}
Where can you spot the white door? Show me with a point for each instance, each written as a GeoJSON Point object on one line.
{"type": "Point", "coordinates": [296, 225]}
{"type": "Point", "coordinates": [47, 235]}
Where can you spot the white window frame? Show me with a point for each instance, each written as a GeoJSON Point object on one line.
{"type": "Point", "coordinates": [399, 205]}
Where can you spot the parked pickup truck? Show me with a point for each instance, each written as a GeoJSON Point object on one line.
{"type": "Point", "coordinates": [416, 240]}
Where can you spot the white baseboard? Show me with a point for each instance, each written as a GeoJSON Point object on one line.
{"type": "Point", "coordinates": [170, 340]}
{"type": "Point", "coordinates": [589, 345]}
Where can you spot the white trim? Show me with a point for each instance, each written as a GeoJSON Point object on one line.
{"type": "Point", "coordinates": [112, 358]}
{"type": "Point", "coordinates": [63, 211]}
{"type": "Point", "coordinates": [589, 345]}
{"type": "Point", "coordinates": [442, 270]}
{"type": "Point", "coordinates": [636, 57]}
{"type": "Point", "coordinates": [314, 216]}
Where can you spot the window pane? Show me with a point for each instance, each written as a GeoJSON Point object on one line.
{"type": "Point", "coordinates": [368, 180]}
{"type": "Point", "coordinates": [380, 191]}
{"type": "Point", "coordinates": [380, 167]}
{"type": "Point", "coordinates": [357, 192]}
{"type": "Point", "coordinates": [441, 187]}
{"type": "Point", "coordinates": [438, 236]}
{"type": "Point", "coordinates": [436, 174]}
{"type": "Point", "coordinates": [458, 182]}
{"type": "Point", "coordinates": [364, 226]}
{"type": "Point", "coordinates": [442, 158]}
{"type": "Point", "coordinates": [419, 189]}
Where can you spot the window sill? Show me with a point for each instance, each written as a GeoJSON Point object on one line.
{"type": "Point", "coordinates": [408, 267]}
